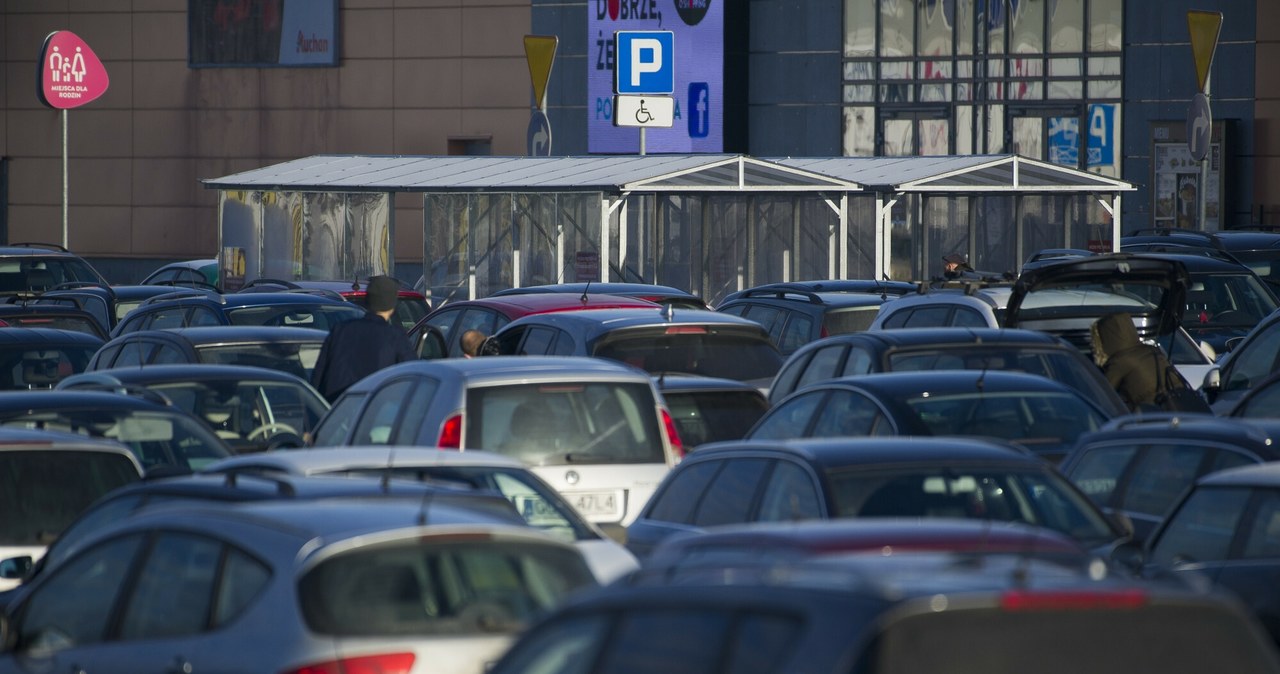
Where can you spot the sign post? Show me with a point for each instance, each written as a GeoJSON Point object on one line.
{"type": "Point", "coordinates": [1204, 28]}
{"type": "Point", "coordinates": [645, 66]}
{"type": "Point", "coordinates": [70, 75]}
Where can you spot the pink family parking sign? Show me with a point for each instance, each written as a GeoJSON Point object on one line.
{"type": "Point", "coordinates": [70, 73]}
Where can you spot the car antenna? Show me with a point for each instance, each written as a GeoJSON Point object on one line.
{"type": "Point", "coordinates": [585, 290]}
{"type": "Point", "coordinates": [884, 290]}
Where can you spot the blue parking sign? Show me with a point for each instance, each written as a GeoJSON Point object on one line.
{"type": "Point", "coordinates": [644, 62]}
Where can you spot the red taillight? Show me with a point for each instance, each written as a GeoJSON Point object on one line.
{"type": "Point", "coordinates": [451, 433]}
{"type": "Point", "coordinates": [673, 436]}
{"type": "Point", "coordinates": [391, 663]}
{"type": "Point", "coordinates": [686, 330]}
{"type": "Point", "coordinates": [823, 332]}
{"type": "Point", "coordinates": [1023, 600]}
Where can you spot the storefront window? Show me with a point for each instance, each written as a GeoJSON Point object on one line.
{"type": "Point", "coordinates": [860, 28]}
{"type": "Point", "coordinates": [897, 28]}
{"type": "Point", "coordinates": [1105, 25]}
{"type": "Point", "coordinates": [1066, 26]}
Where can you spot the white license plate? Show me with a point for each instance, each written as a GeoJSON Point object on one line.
{"type": "Point", "coordinates": [596, 504]}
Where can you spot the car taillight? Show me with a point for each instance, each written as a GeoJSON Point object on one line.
{"type": "Point", "coordinates": [451, 433]}
{"type": "Point", "coordinates": [1024, 600]}
{"type": "Point", "coordinates": [673, 436]}
{"type": "Point", "coordinates": [686, 330]}
{"type": "Point", "coordinates": [390, 663]}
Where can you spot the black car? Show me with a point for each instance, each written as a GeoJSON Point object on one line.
{"type": "Point", "coordinates": [1137, 466]}
{"type": "Point", "coordinates": [162, 437]}
{"type": "Point", "coordinates": [35, 267]}
{"type": "Point", "coordinates": [1254, 358]}
{"type": "Point", "coordinates": [800, 312]}
{"type": "Point", "coordinates": [292, 350]}
{"type": "Point", "coordinates": [1225, 531]}
{"type": "Point", "coordinates": [411, 306]}
{"type": "Point", "coordinates": [252, 408]}
{"type": "Point", "coordinates": [710, 409]}
{"type": "Point", "coordinates": [1039, 414]}
{"type": "Point", "coordinates": [38, 358]}
{"type": "Point", "coordinates": [777, 481]}
{"type": "Point", "coordinates": [107, 304]}
{"type": "Point", "coordinates": [658, 294]}
{"type": "Point", "coordinates": [921, 349]}
{"type": "Point", "coordinates": [27, 313]}
{"type": "Point", "coordinates": [195, 308]}
{"type": "Point", "coordinates": [658, 340]}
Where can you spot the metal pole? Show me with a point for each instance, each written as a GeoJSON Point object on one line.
{"type": "Point", "coordinates": [642, 130]}
{"type": "Point", "coordinates": [64, 179]}
{"type": "Point", "coordinates": [1202, 195]}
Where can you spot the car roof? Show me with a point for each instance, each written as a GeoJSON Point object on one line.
{"type": "Point", "coordinates": [1235, 240]}
{"type": "Point", "coordinates": [36, 249]}
{"type": "Point", "coordinates": [676, 382]}
{"type": "Point", "coordinates": [870, 286]}
{"type": "Point", "coordinates": [802, 296]}
{"type": "Point", "coordinates": [231, 334]}
{"type": "Point", "coordinates": [945, 337]}
{"type": "Point", "coordinates": [510, 370]}
{"type": "Point", "coordinates": [536, 303]}
{"type": "Point", "coordinates": [934, 451]}
{"type": "Point", "coordinates": [47, 336]}
{"type": "Point", "coordinates": [1200, 263]}
{"type": "Point", "coordinates": [1256, 435]}
{"type": "Point", "coordinates": [598, 321]}
{"type": "Point", "coordinates": [12, 438]}
{"type": "Point", "coordinates": [73, 399]}
{"type": "Point", "coordinates": [627, 289]}
{"type": "Point", "coordinates": [319, 460]}
{"type": "Point", "coordinates": [1256, 475]}
{"type": "Point", "coordinates": [934, 382]}
{"type": "Point", "coordinates": [184, 372]}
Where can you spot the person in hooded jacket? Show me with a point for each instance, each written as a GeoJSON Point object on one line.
{"type": "Point", "coordinates": [1133, 367]}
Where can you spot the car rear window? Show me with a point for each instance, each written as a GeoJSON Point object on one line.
{"type": "Point", "coordinates": [42, 491]}
{"type": "Point", "coordinates": [41, 367]}
{"type": "Point", "coordinates": [296, 358]}
{"type": "Point", "coordinates": [318, 317]}
{"type": "Point", "coordinates": [713, 416]}
{"type": "Point", "coordinates": [853, 319]}
{"type": "Point", "coordinates": [569, 422]}
{"type": "Point", "coordinates": [457, 585]}
{"type": "Point", "coordinates": [694, 350]}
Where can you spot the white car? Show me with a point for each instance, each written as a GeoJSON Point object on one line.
{"type": "Point", "coordinates": [536, 501]}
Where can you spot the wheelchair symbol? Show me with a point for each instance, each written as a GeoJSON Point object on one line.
{"type": "Point", "coordinates": [643, 116]}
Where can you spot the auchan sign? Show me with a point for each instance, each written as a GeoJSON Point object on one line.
{"type": "Point", "coordinates": [70, 73]}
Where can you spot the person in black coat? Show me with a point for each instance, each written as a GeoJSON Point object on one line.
{"type": "Point", "coordinates": [357, 348]}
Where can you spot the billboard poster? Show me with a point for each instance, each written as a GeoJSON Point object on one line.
{"type": "Point", "coordinates": [262, 33]}
{"type": "Point", "coordinates": [698, 26]}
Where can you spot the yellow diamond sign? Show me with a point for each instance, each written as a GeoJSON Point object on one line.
{"type": "Point", "coordinates": [1204, 28]}
{"type": "Point", "coordinates": [540, 51]}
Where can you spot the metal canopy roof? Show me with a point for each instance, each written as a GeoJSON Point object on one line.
{"type": "Point", "coordinates": [967, 173]}
{"type": "Point", "coordinates": [621, 173]}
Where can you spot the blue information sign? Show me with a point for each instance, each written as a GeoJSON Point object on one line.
{"type": "Point", "coordinates": [645, 62]}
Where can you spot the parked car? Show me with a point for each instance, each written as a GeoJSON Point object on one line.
{"type": "Point", "coordinates": [107, 304]}
{"type": "Point", "coordinates": [1254, 359]}
{"type": "Point", "coordinates": [536, 501]}
{"type": "Point", "coordinates": [163, 438]}
{"type": "Point", "coordinates": [1137, 466]}
{"type": "Point", "coordinates": [194, 308]}
{"type": "Point", "coordinates": [798, 313]}
{"type": "Point", "coordinates": [893, 613]}
{"type": "Point", "coordinates": [35, 267]}
{"type": "Point", "coordinates": [291, 350]}
{"type": "Point", "coordinates": [1039, 414]}
{"type": "Point", "coordinates": [490, 314]}
{"type": "Point", "coordinates": [200, 273]}
{"type": "Point", "coordinates": [1225, 299]}
{"type": "Point", "coordinates": [390, 585]}
{"type": "Point", "coordinates": [656, 340]}
{"type": "Point", "coordinates": [710, 409]}
{"type": "Point", "coordinates": [23, 312]}
{"type": "Point", "coordinates": [658, 294]}
{"type": "Point", "coordinates": [1224, 531]}
{"type": "Point", "coordinates": [928, 349]}
{"type": "Point", "coordinates": [46, 479]}
{"type": "Point", "coordinates": [778, 481]}
{"type": "Point", "coordinates": [411, 306]}
{"type": "Point", "coordinates": [1260, 401]}
{"type": "Point", "coordinates": [38, 358]}
{"type": "Point", "coordinates": [252, 408]}
{"type": "Point", "coordinates": [595, 430]}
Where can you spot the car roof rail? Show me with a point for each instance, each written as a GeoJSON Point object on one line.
{"type": "Point", "coordinates": [38, 244]}
{"type": "Point", "coordinates": [81, 285]}
{"type": "Point", "coordinates": [185, 295]}
{"type": "Point", "coordinates": [231, 478]}
{"type": "Point", "coordinates": [109, 384]}
{"type": "Point", "coordinates": [1171, 419]}
{"type": "Point", "coordinates": [259, 282]}
{"type": "Point", "coordinates": [1209, 237]}
{"type": "Point", "coordinates": [781, 291]}
{"type": "Point", "coordinates": [89, 380]}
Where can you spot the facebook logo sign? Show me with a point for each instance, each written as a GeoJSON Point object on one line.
{"type": "Point", "coordinates": [699, 110]}
{"type": "Point", "coordinates": [645, 62]}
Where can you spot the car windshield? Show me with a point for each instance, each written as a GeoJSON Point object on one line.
{"type": "Point", "coordinates": [463, 586]}
{"type": "Point", "coordinates": [1039, 420]}
{"type": "Point", "coordinates": [559, 423]}
{"type": "Point", "coordinates": [1228, 301]}
{"type": "Point", "coordinates": [248, 414]}
{"type": "Point", "coordinates": [42, 491]}
{"type": "Point", "coordinates": [156, 437]}
{"type": "Point", "coordinates": [698, 351]}
{"type": "Point", "coordinates": [1039, 497]}
{"type": "Point", "coordinates": [42, 368]}
{"type": "Point", "coordinates": [316, 316]}
{"type": "Point", "coordinates": [296, 358]}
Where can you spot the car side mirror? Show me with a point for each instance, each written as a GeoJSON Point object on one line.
{"type": "Point", "coordinates": [16, 567]}
{"type": "Point", "coordinates": [1123, 522]}
{"type": "Point", "coordinates": [1233, 343]}
{"type": "Point", "coordinates": [1212, 380]}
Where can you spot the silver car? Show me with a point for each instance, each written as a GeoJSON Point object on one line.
{"type": "Point", "coordinates": [596, 430]}
{"type": "Point", "coordinates": [389, 585]}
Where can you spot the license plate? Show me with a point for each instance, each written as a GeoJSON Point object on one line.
{"type": "Point", "coordinates": [595, 504]}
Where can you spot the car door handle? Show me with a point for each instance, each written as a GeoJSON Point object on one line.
{"type": "Point", "coordinates": [179, 666]}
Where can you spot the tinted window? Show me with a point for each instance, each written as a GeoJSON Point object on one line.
{"type": "Point", "coordinates": [859, 362]}
{"type": "Point", "coordinates": [728, 355]}
{"type": "Point", "coordinates": [929, 317]}
{"type": "Point", "coordinates": [132, 353]}
{"type": "Point", "coordinates": [798, 332]}
{"type": "Point", "coordinates": [684, 487]}
{"type": "Point", "coordinates": [42, 492]}
{"type": "Point", "coordinates": [410, 428]}
{"type": "Point", "coordinates": [23, 368]}
{"type": "Point", "coordinates": [790, 494]}
{"type": "Point", "coordinates": [568, 646]}
{"type": "Point", "coordinates": [566, 422]}
{"type": "Point", "coordinates": [380, 417]}
{"type": "Point", "coordinates": [822, 366]}
{"type": "Point", "coordinates": [845, 413]}
{"type": "Point", "coordinates": [1263, 403]}
{"type": "Point", "coordinates": [316, 316]}
{"type": "Point", "coordinates": [712, 416]}
{"type": "Point", "coordinates": [762, 644]}
{"type": "Point", "coordinates": [1042, 421]}
{"type": "Point", "coordinates": [790, 418]}
{"type": "Point", "coordinates": [296, 358]}
{"type": "Point", "coordinates": [690, 642]}
{"type": "Point", "coordinates": [842, 321]}
{"type": "Point", "coordinates": [1202, 528]}
{"type": "Point", "coordinates": [169, 317]}
{"type": "Point", "coordinates": [729, 497]}
{"type": "Point", "coordinates": [156, 438]}
{"type": "Point", "coordinates": [338, 421]}
{"type": "Point", "coordinates": [896, 319]}
{"type": "Point", "coordinates": [1098, 470]}
{"type": "Point", "coordinates": [1254, 360]}
{"type": "Point", "coordinates": [73, 607]}
{"type": "Point", "coordinates": [168, 355]}
{"type": "Point", "coordinates": [426, 587]}
{"type": "Point", "coordinates": [969, 318]}
{"type": "Point", "coordinates": [1264, 534]}
{"type": "Point", "coordinates": [174, 590]}
{"type": "Point", "coordinates": [1160, 476]}
{"type": "Point", "coordinates": [771, 318]}
{"type": "Point", "coordinates": [537, 341]}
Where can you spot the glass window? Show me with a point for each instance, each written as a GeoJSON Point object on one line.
{"type": "Point", "coordinates": [174, 589]}
{"type": "Point", "coordinates": [711, 416]}
{"type": "Point", "coordinates": [166, 354]}
{"type": "Point", "coordinates": [337, 423]}
{"type": "Point", "coordinates": [1099, 470]}
{"type": "Point", "coordinates": [1106, 23]}
{"type": "Point", "coordinates": [1160, 476]}
{"type": "Point", "coordinates": [798, 332]}
{"type": "Point", "coordinates": [965, 15]}
{"type": "Point", "coordinates": [1066, 26]}
{"type": "Point", "coordinates": [860, 130]}
{"type": "Point", "coordinates": [74, 606]}
{"type": "Point", "coordinates": [858, 362]}
{"type": "Point", "coordinates": [1026, 35]}
{"type": "Point", "coordinates": [687, 485]}
{"type": "Point", "coordinates": [789, 495]}
{"type": "Point", "coordinates": [845, 414]}
{"type": "Point", "coordinates": [692, 641]}
{"type": "Point", "coordinates": [380, 417]}
{"type": "Point", "coordinates": [242, 581]}
{"type": "Point", "coordinates": [899, 137]}
{"type": "Point", "coordinates": [174, 317]}
{"type": "Point", "coordinates": [771, 318]}
{"type": "Point", "coordinates": [1264, 533]}
{"type": "Point", "coordinates": [443, 320]}
{"type": "Point", "coordinates": [42, 491]}
{"type": "Point", "coordinates": [762, 644]}
{"type": "Point", "coordinates": [203, 316]}
{"type": "Point", "coordinates": [969, 318]}
{"type": "Point", "coordinates": [933, 29]}
{"type": "Point", "coordinates": [537, 341]}
{"type": "Point", "coordinates": [1202, 528]}
{"type": "Point", "coordinates": [568, 646]}
{"type": "Point", "coordinates": [728, 498]}
{"type": "Point", "coordinates": [132, 353]}
{"type": "Point", "coordinates": [1254, 360]}
{"type": "Point", "coordinates": [822, 366]}
{"type": "Point", "coordinates": [409, 430]}
{"type": "Point", "coordinates": [789, 419]}
{"type": "Point", "coordinates": [897, 28]}
{"type": "Point", "coordinates": [929, 317]}
{"type": "Point", "coordinates": [860, 27]}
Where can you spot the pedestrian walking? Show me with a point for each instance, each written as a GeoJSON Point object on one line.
{"type": "Point", "coordinates": [357, 348]}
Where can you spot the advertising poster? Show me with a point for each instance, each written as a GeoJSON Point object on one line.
{"type": "Point", "coordinates": [698, 26]}
{"type": "Point", "coordinates": [263, 33]}
{"type": "Point", "coordinates": [1177, 188]}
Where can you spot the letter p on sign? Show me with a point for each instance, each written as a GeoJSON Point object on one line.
{"type": "Point", "coordinates": [645, 62]}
